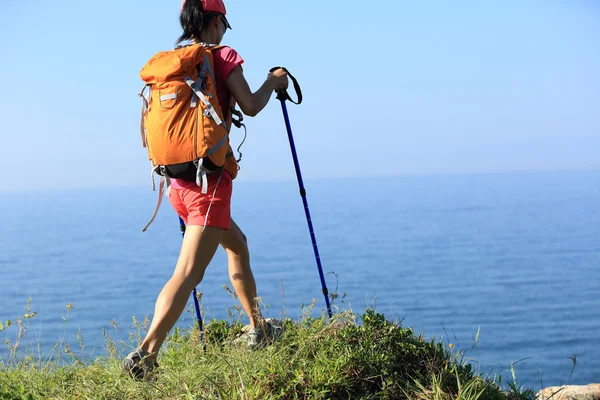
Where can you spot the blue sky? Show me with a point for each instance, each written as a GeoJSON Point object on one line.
{"type": "Point", "coordinates": [392, 88]}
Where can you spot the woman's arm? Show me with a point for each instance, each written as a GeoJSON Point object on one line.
{"type": "Point", "coordinates": [253, 103]}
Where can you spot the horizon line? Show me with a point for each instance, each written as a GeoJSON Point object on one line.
{"type": "Point", "coordinates": [322, 178]}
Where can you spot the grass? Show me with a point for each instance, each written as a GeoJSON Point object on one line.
{"type": "Point", "coordinates": [352, 356]}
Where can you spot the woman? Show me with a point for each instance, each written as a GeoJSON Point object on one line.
{"type": "Point", "coordinates": [204, 21]}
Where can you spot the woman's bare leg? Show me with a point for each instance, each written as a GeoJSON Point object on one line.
{"type": "Point", "coordinates": [197, 250]}
{"type": "Point", "coordinates": [240, 273]}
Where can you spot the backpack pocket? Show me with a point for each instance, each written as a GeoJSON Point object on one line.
{"type": "Point", "coordinates": [168, 97]}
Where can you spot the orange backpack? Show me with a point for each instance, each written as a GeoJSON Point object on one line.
{"type": "Point", "coordinates": [182, 123]}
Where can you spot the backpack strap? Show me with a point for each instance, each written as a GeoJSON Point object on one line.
{"type": "Point", "coordinates": [238, 123]}
{"type": "Point", "coordinates": [210, 70]}
{"type": "Point", "coordinates": [204, 69]}
{"type": "Point", "coordinates": [206, 65]}
{"type": "Point", "coordinates": [209, 108]}
{"type": "Point", "coordinates": [201, 175]}
{"type": "Point", "coordinates": [213, 197]}
{"type": "Point", "coordinates": [145, 107]}
{"type": "Point", "coordinates": [165, 186]}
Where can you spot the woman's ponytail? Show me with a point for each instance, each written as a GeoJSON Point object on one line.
{"type": "Point", "coordinates": [191, 20]}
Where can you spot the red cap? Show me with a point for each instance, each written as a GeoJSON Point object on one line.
{"type": "Point", "coordinates": [213, 6]}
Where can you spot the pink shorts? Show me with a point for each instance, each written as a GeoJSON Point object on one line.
{"type": "Point", "coordinates": [192, 206]}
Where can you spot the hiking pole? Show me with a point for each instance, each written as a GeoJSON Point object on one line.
{"type": "Point", "coordinates": [194, 292]}
{"type": "Point", "coordinates": [283, 95]}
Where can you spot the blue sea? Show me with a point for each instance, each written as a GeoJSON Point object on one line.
{"type": "Point", "coordinates": [512, 258]}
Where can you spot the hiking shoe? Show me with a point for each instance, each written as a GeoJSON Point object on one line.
{"type": "Point", "coordinates": [255, 338]}
{"type": "Point", "coordinates": [137, 365]}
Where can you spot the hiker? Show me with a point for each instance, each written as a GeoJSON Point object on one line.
{"type": "Point", "coordinates": [207, 215]}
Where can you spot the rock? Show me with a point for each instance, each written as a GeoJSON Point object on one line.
{"type": "Point", "coordinates": [589, 392]}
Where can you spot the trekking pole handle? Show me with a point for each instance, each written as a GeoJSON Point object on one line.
{"type": "Point", "coordinates": [283, 94]}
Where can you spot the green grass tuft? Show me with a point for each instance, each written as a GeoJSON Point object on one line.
{"type": "Point", "coordinates": [349, 357]}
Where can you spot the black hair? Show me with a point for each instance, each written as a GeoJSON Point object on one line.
{"type": "Point", "coordinates": [193, 20]}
